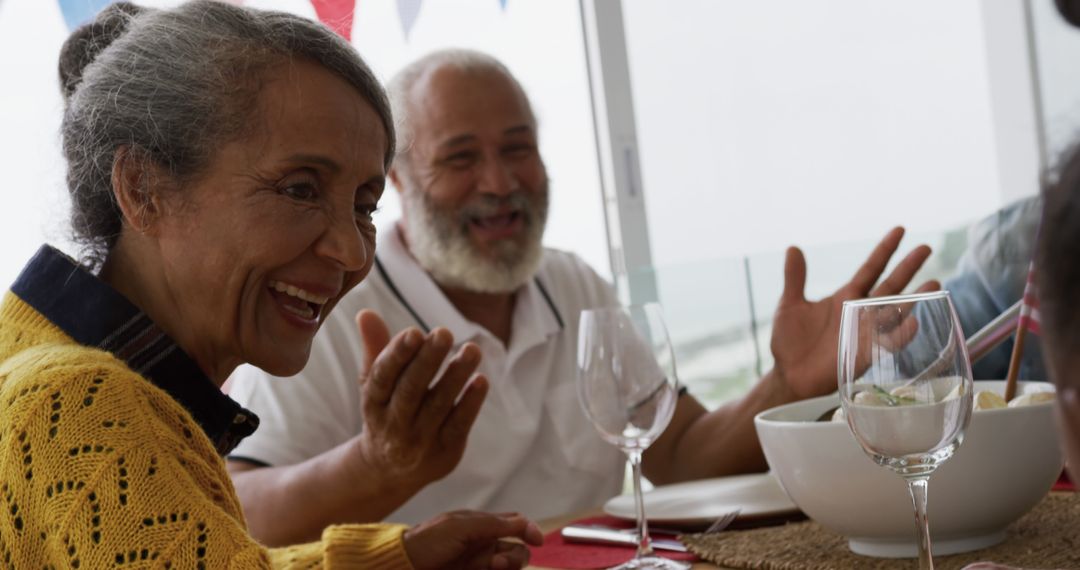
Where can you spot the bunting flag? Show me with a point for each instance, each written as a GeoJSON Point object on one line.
{"type": "Point", "coordinates": [408, 12]}
{"type": "Point", "coordinates": [337, 15]}
{"type": "Point", "coordinates": [79, 12]}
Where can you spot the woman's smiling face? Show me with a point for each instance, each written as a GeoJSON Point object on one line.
{"type": "Point", "coordinates": [262, 245]}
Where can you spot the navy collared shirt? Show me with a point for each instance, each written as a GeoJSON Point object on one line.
{"type": "Point", "coordinates": [94, 314]}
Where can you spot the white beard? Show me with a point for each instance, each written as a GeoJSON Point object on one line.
{"type": "Point", "coordinates": [439, 240]}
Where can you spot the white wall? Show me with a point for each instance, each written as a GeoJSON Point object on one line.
{"type": "Point", "coordinates": [763, 124]}
{"type": "Point", "coordinates": [1012, 96]}
{"type": "Point", "coordinates": [32, 191]}
{"type": "Point", "coordinates": [1058, 49]}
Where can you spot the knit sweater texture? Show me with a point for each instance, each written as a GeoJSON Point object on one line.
{"type": "Point", "coordinates": [102, 469]}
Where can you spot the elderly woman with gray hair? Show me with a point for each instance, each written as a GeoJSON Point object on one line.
{"type": "Point", "coordinates": [223, 166]}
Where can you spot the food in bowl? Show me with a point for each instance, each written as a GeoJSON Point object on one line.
{"type": "Point", "coordinates": [982, 400]}
{"type": "Point", "coordinates": [1032, 398]}
{"type": "Point", "coordinates": [1009, 460]}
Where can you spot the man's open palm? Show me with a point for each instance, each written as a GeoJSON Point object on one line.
{"type": "Point", "coordinates": [805, 333]}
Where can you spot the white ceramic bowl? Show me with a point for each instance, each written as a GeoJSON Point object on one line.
{"type": "Point", "coordinates": [1007, 463]}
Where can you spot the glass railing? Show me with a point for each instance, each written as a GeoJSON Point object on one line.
{"type": "Point", "coordinates": [720, 311]}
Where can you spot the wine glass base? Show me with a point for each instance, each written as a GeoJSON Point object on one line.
{"type": "Point", "coordinates": [652, 563]}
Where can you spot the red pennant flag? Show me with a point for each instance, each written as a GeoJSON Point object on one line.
{"type": "Point", "coordinates": [337, 15]}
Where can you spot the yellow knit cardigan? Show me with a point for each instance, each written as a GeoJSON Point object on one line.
{"type": "Point", "coordinates": [103, 469]}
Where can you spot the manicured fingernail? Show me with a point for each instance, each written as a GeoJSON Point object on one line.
{"type": "Point", "coordinates": [440, 338]}
{"type": "Point", "coordinates": [468, 356]}
{"type": "Point", "coordinates": [477, 382]}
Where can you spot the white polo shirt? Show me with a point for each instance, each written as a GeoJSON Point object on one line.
{"type": "Point", "coordinates": [531, 450]}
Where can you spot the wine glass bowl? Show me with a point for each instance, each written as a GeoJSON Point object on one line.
{"type": "Point", "coordinates": [628, 388]}
{"type": "Point", "coordinates": [906, 388]}
{"type": "Point", "coordinates": [917, 435]}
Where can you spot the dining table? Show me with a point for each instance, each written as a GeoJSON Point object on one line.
{"type": "Point", "coordinates": [1042, 538]}
{"type": "Point", "coordinates": [558, 522]}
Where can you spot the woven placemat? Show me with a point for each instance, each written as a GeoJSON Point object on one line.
{"type": "Point", "coordinates": [1047, 537]}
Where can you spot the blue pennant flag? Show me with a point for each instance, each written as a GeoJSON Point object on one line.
{"type": "Point", "coordinates": [408, 12]}
{"type": "Point", "coordinates": [79, 12]}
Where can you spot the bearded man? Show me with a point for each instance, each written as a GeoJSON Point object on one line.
{"type": "Point", "coordinates": [357, 440]}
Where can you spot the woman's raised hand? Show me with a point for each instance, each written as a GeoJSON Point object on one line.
{"type": "Point", "coordinates": [415, 428]}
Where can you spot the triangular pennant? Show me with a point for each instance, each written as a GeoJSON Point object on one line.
{"type": "Point", "coordinates": [337, 15]}
{"type": "Point", "coordinates": [79, 12]}
{"type": "Point", "coordinates": [408, 12]}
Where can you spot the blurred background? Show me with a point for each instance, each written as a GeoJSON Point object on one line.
{"type": "Point", "coordinates": [690, 142]}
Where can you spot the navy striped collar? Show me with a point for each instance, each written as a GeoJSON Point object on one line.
{"type": "Point", "coordinates": [94, 314]}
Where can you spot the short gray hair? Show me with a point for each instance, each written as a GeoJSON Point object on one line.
{"type": "Point", "coordinates": [175, 85]}
{"type": "Point", "coordinates": [401, 85]}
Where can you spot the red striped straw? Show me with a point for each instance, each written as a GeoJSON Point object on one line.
{"type": "Point", "coordinates": [1029, 320]}
{"type": "Point", "coordinates": [994, 333]}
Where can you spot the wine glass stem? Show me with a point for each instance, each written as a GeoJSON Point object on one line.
{"type": "Point", "coordinates": [644, 543]}
{"type": "Point", "coordinates": [917, 487]}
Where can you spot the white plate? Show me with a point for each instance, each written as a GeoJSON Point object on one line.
{"type": "Point", "coordinates": [700, 502]}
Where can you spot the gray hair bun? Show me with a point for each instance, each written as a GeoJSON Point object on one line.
{"type": "Point", "coordinates": [90, 39]}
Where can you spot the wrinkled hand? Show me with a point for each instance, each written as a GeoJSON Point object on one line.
{"type": "Point", "coordinates": [414, 434]}
{"type": "Point", "coordinates": [467, 540]}
{"type": "Point", "coordinates": [806, 334]}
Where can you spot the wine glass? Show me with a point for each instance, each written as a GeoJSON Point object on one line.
{"type": "Point", "coordinates": [906, 389]}
{"type": "Point", "coordinates": [628, 388]}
